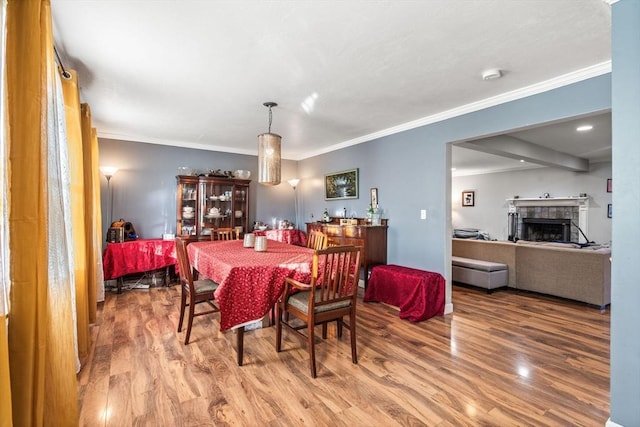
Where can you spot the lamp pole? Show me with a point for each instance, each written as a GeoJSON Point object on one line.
{"type": "Point", "coordinates": [108, 172]}
{"type": "Point", "coordinates": [294, 183]}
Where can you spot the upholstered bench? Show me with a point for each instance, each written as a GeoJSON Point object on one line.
{"type": "Point", "coordinates": [485, 274]}
{"type": "Point", "coordinates": [417, 293]}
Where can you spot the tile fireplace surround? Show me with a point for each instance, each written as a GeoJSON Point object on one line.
{"type": "Point", "coordinates": [571, 207]}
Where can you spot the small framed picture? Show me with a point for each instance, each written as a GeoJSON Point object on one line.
{"type": "Point", "coordinates": [610, 185]}
{"type": "Point", "coordinates": [374, 198]}
{"type": "Point", "coordinates": [468, 198]}
{"type": "Point", "coordinates": [609, 211]}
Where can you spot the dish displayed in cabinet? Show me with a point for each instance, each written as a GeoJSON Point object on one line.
{"type": "Point", "coordinates": [213, 216]}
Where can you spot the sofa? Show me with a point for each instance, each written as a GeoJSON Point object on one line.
{"type": "Point", "coordinates": [557, 269]}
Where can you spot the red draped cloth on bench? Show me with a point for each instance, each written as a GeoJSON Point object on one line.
{"type": "Point", "coordinates": [138, 256]}
{"type": "Point", "coordinates": [419, 294]}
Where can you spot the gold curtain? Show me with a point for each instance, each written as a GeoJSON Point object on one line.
{"type": "Point", "coordinates": [93, 215]}
{"type": "Point", "coordinates": [76, 168]}
{"type": "Point", "coordinates": [41, 328]}
{"type": "Point", "coordinates": [5, 383]}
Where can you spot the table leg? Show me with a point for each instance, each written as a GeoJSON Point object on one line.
{"type": "Point", "coordinates": [240, 342]}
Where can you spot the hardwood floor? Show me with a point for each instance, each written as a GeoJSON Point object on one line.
{"type": "Point", "coordinates": [505, 359]}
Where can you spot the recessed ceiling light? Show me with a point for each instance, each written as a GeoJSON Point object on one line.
{"type": "Point", "coordinates": [521, 161]}
{"type": "Point", "coordinates": [584, 128]}
{"type": "Point", "coordinates": [491, 74]}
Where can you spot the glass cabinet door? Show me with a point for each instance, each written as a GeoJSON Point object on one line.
{"type": "Point", "coordinates": [216, 205]}
{"type": "Point", "coordinates": [187, 206]}
{"type": "Point", "coordinates": [240, 218]}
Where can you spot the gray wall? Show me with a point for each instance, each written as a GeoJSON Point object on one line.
{"type": "Point", "coordinates": [412, 171]}
{"type": "Point", "coordinates": [144, 189]}
{"type": "Point", "coordinates": [625, 292]}
{"type": "Point", "coordinates": [491, 191]}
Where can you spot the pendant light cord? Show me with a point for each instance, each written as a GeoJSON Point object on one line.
{"type": "Point", "coordinates": [270, 105]}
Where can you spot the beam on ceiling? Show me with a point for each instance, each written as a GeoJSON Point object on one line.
{"type": "Point", "coordinates": [514, 148]}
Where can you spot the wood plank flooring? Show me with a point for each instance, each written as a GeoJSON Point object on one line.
{"type": "Point", "coordinates": [505, 359]}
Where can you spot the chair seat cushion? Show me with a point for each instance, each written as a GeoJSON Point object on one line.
{"type": "Point", "coordinates": [205, 285]}
{"type": "Point", "coordinates": [300, 300]}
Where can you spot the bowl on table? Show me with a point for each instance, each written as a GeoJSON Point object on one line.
{"type": "Point", "coordinates": [262, 227]}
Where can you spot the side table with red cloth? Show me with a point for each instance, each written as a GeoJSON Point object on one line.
{"type": "Point", "coordinates": [285, 235]}
{"type": "Point", "coordinates": [137, 256]}
{"type": "Point", "coordinates": [419, 294]}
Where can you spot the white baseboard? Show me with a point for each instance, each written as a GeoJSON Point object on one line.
{"type": "Point", "coordinates": [448, 308]}
{"type": "Point", "coordinates": [610, 423]}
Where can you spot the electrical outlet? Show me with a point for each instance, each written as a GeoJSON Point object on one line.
{"type": "Point", "coordinates": [423, 214]}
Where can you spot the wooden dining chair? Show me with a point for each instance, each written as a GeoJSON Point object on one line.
{"type": "Point", "coordinates": [225, 234]}
{"type": "Point", "coordinates": [194, 292]}
{"type": "Point", "coordinates": [317, 240]}
{"type": "Point", "coordinates": [329, 297]}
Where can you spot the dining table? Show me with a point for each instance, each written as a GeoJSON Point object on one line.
{"type": "Point", "coordinates": [250, 282]}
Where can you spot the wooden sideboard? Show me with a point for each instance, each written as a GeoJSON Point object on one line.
{"type": "Point", "coordinates": [372, 238]}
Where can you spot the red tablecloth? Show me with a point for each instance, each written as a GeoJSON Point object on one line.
{"type": "Point", "coordinates": [250, 282]}
{"type": "Point", "coordinates": [419, 294]}
{"type": "Point", "coordinates": [292, 237]}
{"type": "Point", "coordinates": [137, 256]}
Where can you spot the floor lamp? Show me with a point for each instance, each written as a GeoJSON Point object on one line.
{"type": "Point", "coordinates": [108, 172]}
{"type": "Point", "coordinates": [294, 183]}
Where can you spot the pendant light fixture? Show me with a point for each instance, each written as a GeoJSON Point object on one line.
{"type": "Point", "coordinates": [269, 153]}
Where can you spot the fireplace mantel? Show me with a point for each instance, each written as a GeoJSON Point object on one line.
{"type": "Point", "coordinates": [550, 201]}
{"type": "Point", "coordinates": [582, 203]}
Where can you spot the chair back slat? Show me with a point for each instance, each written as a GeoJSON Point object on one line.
{"type": "Point", "coordinates": [317, 240]}
{"type": "Point", "coordinates": [336, 273]}
{"type": "Point", "coordinates": [225, 234]}
{"type": "Point", "coordinates": [185, 272]}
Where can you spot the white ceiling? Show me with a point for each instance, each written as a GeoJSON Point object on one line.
{"type": "Point", "coordinates": [196, 73]}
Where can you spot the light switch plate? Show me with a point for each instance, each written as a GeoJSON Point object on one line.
{"type": "Point", "coordinates": [423, 214]}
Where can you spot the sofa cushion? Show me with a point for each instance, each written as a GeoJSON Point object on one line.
{"type": "Point", "coordinates": [476, 264]}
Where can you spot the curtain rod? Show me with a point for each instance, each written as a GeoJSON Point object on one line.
{"type": "Point", "coordinates": [64, 73]}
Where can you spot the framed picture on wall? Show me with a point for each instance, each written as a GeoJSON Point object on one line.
{"type": "Point", "coordinates": [374, 198]}
{"type": "Point", "coordinates": [341, 185]}
{"type": "Point", "coordinates": [610, 185]}
{"type": "Point", "coordinates": [609, 211]}
{"type": "Point", "coordinates": [468, 198]}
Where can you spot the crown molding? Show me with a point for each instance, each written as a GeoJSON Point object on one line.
{"type": "Point", "coordinates": [554, 83]}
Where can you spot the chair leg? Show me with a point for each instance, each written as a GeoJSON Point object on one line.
{"type": "Point", "coordinates": [240, 342]}
{"type": "Point", "coordinates": [352, 333]}
{"type": "Point", "coordinates": [312, 349]}
{"type": "Point", "coordinates": [183, 303]}
{"type": "Point", "coordinates": [339, 325]}
{"type": "Point", "coordinates": [192, 309]}
{"type": "Point", "coordinates": [324, 331]}
{"type": "Point", "coordinates": [278, 327]}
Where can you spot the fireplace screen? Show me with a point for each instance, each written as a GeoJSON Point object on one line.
{"type": "Point", "coordinates": [546, 229]}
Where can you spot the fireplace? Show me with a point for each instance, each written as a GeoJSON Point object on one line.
{"type": "Point", "coordinates": [546, 229]}
{"type": "Point", "coordinates": [568, 210]}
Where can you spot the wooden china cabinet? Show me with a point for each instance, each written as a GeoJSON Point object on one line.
{"type": "Point", "coordinates": [204, 203]}
{"type": "Point", "coordinates": [372, 238]}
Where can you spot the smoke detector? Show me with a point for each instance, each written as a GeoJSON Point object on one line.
{"type": "Point", "coordinates": [491, 74]}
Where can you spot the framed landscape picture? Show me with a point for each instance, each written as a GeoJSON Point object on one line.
{"type": "Point", "coordinates": [341, 185]}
